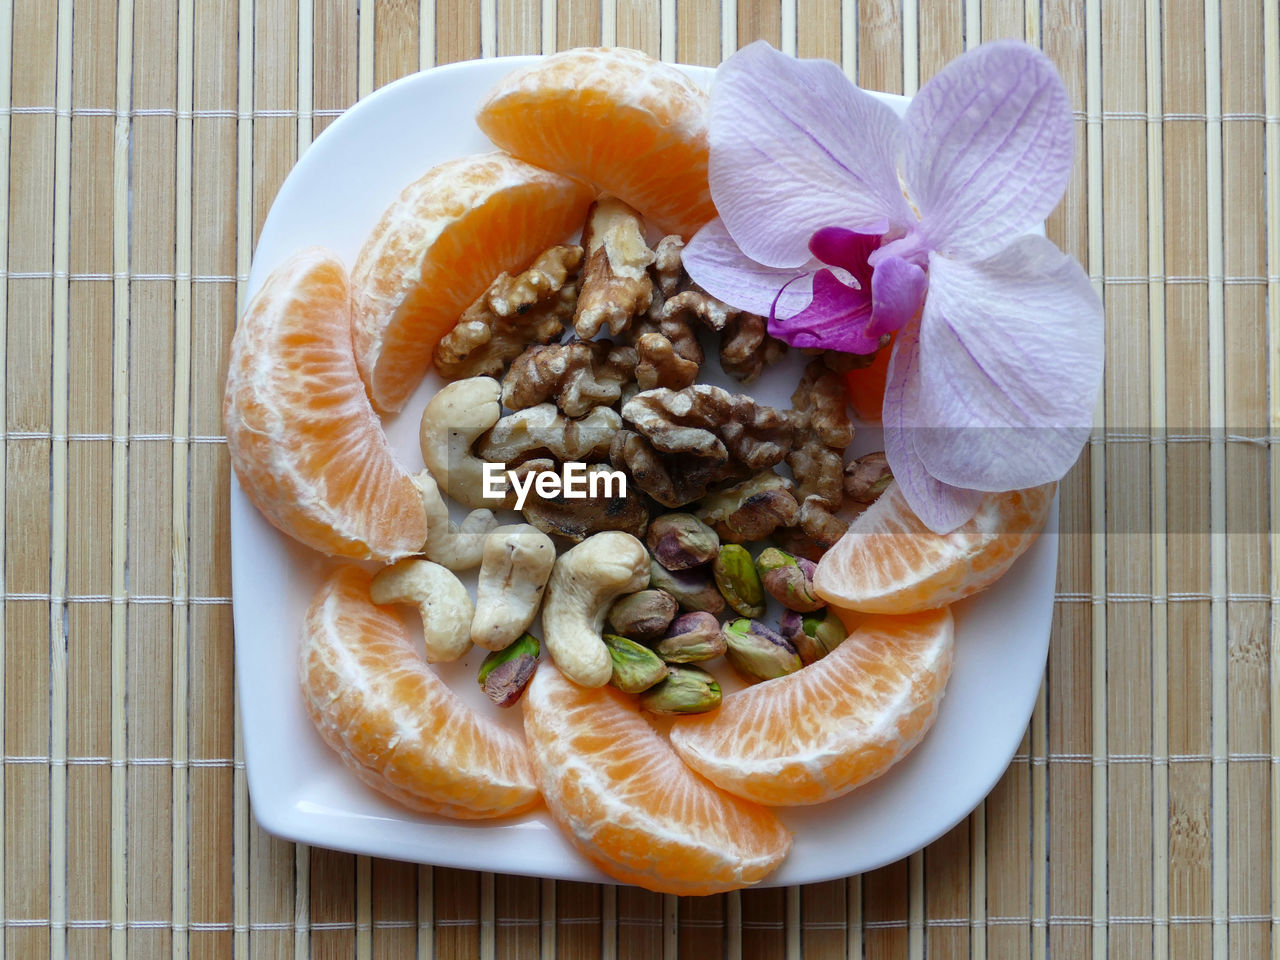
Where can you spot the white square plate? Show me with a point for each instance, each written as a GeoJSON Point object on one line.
{"type": "Point", "coordinates": [299, 788]}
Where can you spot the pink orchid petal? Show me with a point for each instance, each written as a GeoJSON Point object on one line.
{"type": "Point", "coordinates": [989, 147]}
{"type": "Point", "coordinates": [836, 319]}
{"type": "Point", "coordinates": [1010, 367]}
{"type": "Point", "coordinates": [715, 263]}
{"type": "Point", "coordinates": [838, 247]}
{"type": "Point", "coordinates": [796, 147]}
{"type": "Point", "coordinates": [897, 291]}
{"type": "Point", "coordinates": [939, 506]}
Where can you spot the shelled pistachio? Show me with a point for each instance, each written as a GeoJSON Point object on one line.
{"type": "Point", "coordinates": [505, 673]}
{"type": "Point", "coordinates": [735, 574]}
{"type": "Point", "coordinates": [687, 689]}
{"type": "Point", "coordinates": [635, 666]}
{"type": "Point", "coordinates": [758, 652]}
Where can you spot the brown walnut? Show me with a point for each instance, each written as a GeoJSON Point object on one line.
{"type": "Point", "coordinates": [531, 307]}
{"type": "Point", "coordinates": [577, 376]}
{"type": "Point", "coordinates": [615, 281]}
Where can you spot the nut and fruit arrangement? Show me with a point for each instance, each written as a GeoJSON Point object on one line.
{"type": "Point", "coordinates": [555, 354]}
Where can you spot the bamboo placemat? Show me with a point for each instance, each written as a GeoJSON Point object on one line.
{"type": "Point", "coordinates": [144, 143]}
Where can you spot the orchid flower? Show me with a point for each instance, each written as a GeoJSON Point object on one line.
{"type": "Point", "coordinates": [843, 222]}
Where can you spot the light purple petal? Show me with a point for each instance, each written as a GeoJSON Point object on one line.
{"type": "Point", "coordinates": [989, 146]}
{"type": "Point", "coordinates": [795, 146]}
{"type": "Point", "coordinates": [897, 291]}
{"type": "Point", "coordinates": [1010, 367]}
{"type": "Point", "coordinates": [939, 506]}
{"type": "Point", "coordinates": [837, 318]}
{"type": "Point", "coordinates": [716, 264]}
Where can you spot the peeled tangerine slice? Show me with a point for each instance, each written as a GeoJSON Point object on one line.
{"type": "Point", "coordinates": [888, 561]}
{"type": "Point", "coordinates": [438, 247]}
{"type": "Point", "coordinates": [815, 735]}
{"type": "Point", "coordinates": [633, 126]}
{"type": "Point", "coordinates": [394, 722]}
{"type": "Point", "coordinates": [306, 445]}
{"type": "Point", "coordinates": [630, 806]}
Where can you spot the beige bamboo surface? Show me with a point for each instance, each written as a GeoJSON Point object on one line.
{"type": "Point", "coordinates": [142, 147]}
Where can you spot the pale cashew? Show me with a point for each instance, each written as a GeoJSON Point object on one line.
{"type": "Point", "coordinates": [456, 546]}
{"type": "Point", "coordinates": [584, 583]}
{"type": "Point", "coordinates": [441, 599]}
{"type": "Point", "coordinates": [517, 562]}
{"type": "Point", "coordinates": [451, 422]}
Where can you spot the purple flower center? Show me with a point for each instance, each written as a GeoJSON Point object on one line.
{"type": "Point", "coordinates": [852, 317]}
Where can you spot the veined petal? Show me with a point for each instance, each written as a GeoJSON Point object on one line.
{"type": "Point", "coordinates": [795, 146]}
{"type": "Point", "coordinates": [989, 147]}
{"type": "Point", "coordinates": [1010, 367]}
{"type": "Point", "coordinates": [716, 264]}
{"type": "Point", "coordinates": [940, 507]}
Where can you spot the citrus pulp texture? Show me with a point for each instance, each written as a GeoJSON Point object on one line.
{"type": "Point", "coordinates": [888, 561]}
{"type": "Point", "coordinates": [814, 735]}
{"type": "Point", "coordinates": [394, 722]}
{"type": "Point", "coordinates": [438, 247]}
{"type": "Point", "coordinates": [628, 803]}
{"type": "Point", "coordinates": [631, 125]}
{"type": "Point", "coordinates": [308, 450]}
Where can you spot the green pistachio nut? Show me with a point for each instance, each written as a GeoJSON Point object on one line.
{"type": "Point", "coordinates": [813, 635]}
{"type": "Point", "coordinates": [643, 616]}
{"type": "Point", "coordinates": [694, 589]}
{"type": "Point", "coordinates": [505, 673]}
{"type": "Point", "coordinates": [680, 541]}
{"type": "Point", "coordinates": [739, 583]}
{"type": "Point", "coordinates": [759, 653]}
{"type": "Point", "coordinates": [789, 579]}
{"type": "Point", "coordinates": [687, 689]}
{"type": "Point", "coordinates": [691, 638]}
{"type": "Point", "coordinates": [635, 666]}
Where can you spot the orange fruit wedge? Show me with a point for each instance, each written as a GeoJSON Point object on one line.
{"type": "Point", "coordinates": [394, 722]}
{"type": "Point", "coordinates": [888, 561]}
{"type": "Point", "coordinates": [865, 385]}
{"type": "Point", "coordinates": [438, 247]}
{"type": "Point", "coordinates": [633, 126]}
{"type": "Point", "coordinates": [308, 449]}
{"type": "Point", "coordinates": [840, 722]}
{"type": "Point", "coordinates": [624, 799]}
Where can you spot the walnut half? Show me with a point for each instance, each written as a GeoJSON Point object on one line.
{"type": "Point", "coordinates": [577, 376]}
{"type": "Point", "coordinates": [615, 281]}
{"type": "Point", "coordinates": [822, 432]}
{"type": "Point", "coordinates": [531, 307]}
{"type": "Point", "coordinates": [709, 421]}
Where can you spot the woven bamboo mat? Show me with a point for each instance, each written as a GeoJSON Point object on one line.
{"type": "Point", "coordinates": [143, 145]}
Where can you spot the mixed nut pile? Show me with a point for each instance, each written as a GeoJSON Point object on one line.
{"type": "Point", "coordinates": [700, 463]}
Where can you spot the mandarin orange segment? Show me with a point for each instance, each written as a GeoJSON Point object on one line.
{"type": "Point", "coordinates": [631, 125]}
{"type": "Point", "coordinates": [624, 799]}
{"type": "Point", "coordinates": [815, 735]}
{"type": "Point", "coordinates": [888, 561]}
{"type": "Point", "coordinates": [438, 247]}
{"type": "Point", "coordinates": [306, 446]}
{"type": "Point", "coordinates": [394, 722]}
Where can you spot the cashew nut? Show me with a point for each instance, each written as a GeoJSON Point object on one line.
{"type": "Point", "coordinates": [456, 546]}
{"type": "Point", "coordinates": [441, 599]}
{"type": "Point", "coordinates": [451, 422]}
{"type": "Point", "coordinates": [584, 583]}
{"type": "Point", "coordinates": [517, 562]}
